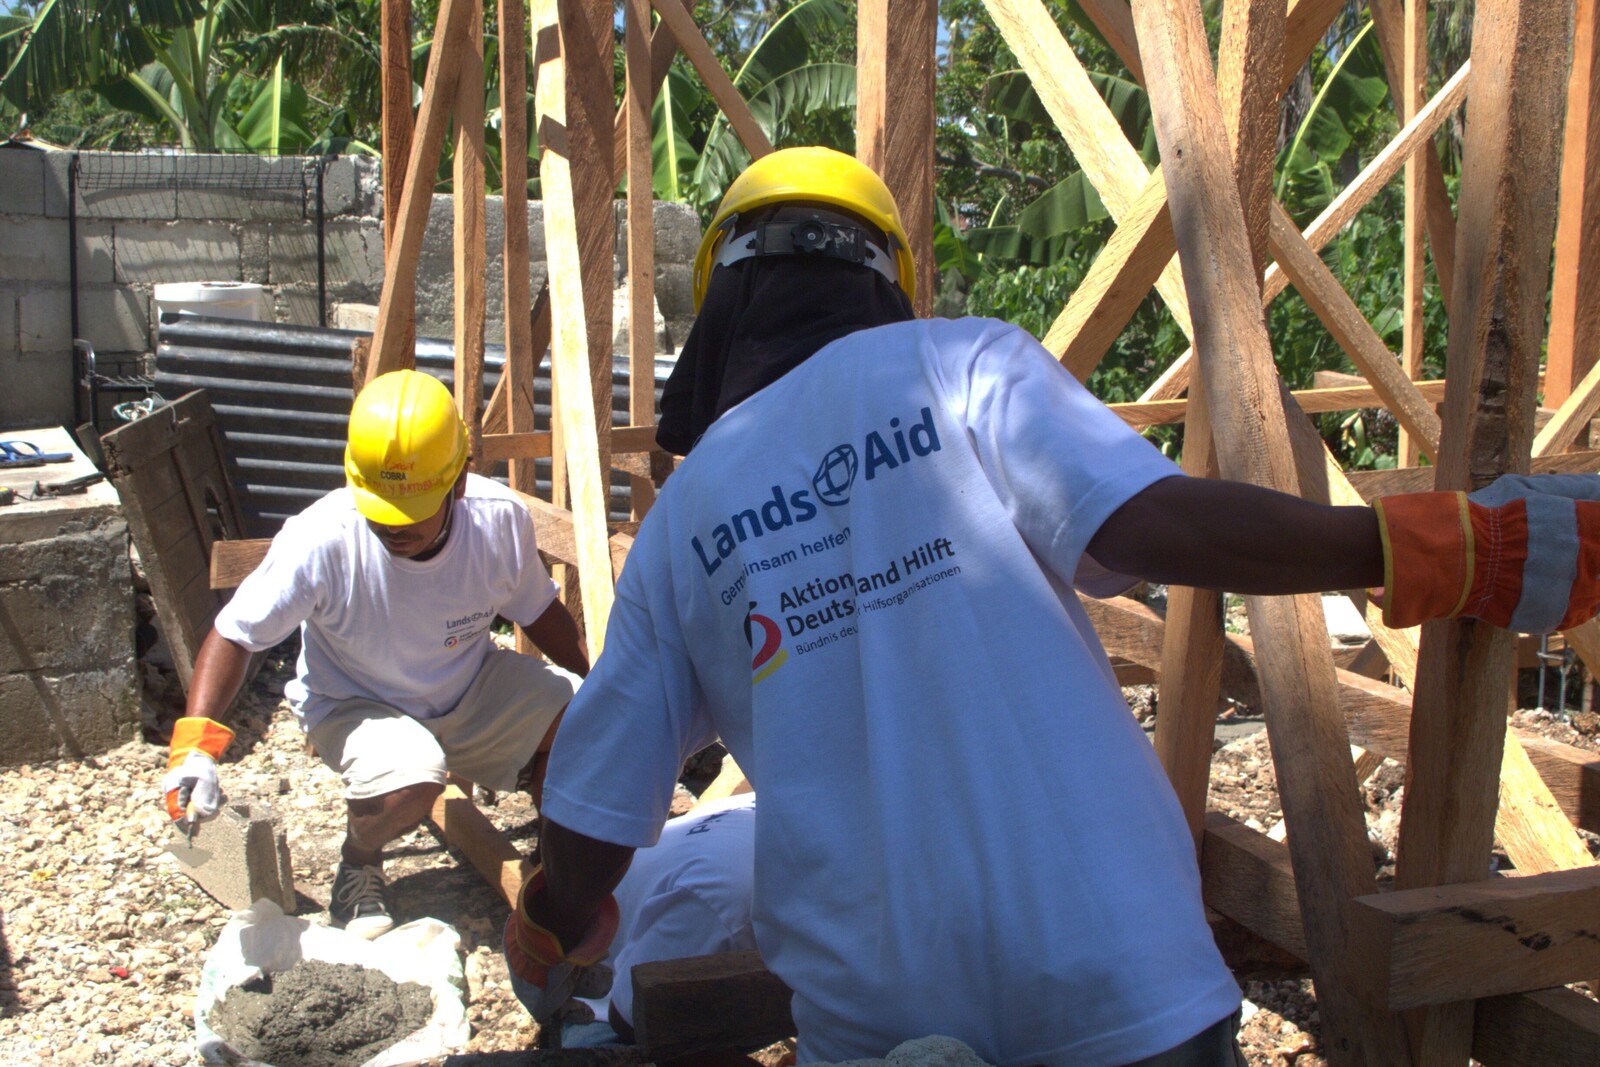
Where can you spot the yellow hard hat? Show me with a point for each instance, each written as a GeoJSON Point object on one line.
{"type": "Point", "coordinates": [407, 448]}
{"type": "Point", "coordinates": [813, 176]}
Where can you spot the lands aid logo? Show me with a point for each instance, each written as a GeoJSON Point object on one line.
{"type": "Point", "coordinates": [832, 484]}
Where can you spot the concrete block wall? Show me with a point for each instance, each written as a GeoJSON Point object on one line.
{"type": "Point", "coordinates": [140, 224]}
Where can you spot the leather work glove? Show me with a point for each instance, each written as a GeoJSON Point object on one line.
{"type": "Point", "coordinates": [546, 976]}
{"type": "Point", "coordinates": [1523, 553]}
{"type": "Point", "coordinates": [193, 793]}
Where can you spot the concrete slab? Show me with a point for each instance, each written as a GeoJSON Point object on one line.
{"type": "Point", "coordinates": [352, 254]}
{"type": "Point", "coordinates": [21, 181]}
{"type": "Point", "coordinates": [38, 388]}
{"type": "Point", "coordinates": [239, 857]}
{"type": "Point", "coordinates": [1346, 626]}
{"type": "Point", "coordinates": [8, 321]}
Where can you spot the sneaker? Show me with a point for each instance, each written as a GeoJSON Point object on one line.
{"type": "Point", "coordinates": [360, 900]}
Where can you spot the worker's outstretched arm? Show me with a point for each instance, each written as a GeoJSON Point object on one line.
{"type": "Point", "coordinates": [1240, 538]}
{"type": "Point", "coordinates": [556, 633]}
{"type": "Point", "coordinates": [564, 920]}
{"type": "Point", "coordinates": [191, 788]}
{"type": "Point", "coordinates": [1522, 553]}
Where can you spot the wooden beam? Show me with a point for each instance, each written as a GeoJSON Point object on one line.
{"type": "Point", "coordinates": [663, 47]}
{"type": "Point", "coordinates": [556, 531]}
{"type": "Point", "coordinates": [1550, 1028]}
{"type": "Point", "coordinates": [1575, 295]}
{"type": "Point", "coordinates": [495, 415]}
{"type": "Point", "coordinates": [516, 377]}
{"type": "Point", "coordinates": [566, 50]}
{"type": "Point", "coordinates": [1520, 934]}
{"type": "Point", "coordinates": [1408, 101]}
{"type": "Point", "coordinates": [1497, 320]}
{"type": "Point", "coordinates": [1328, 299]}
{"type": "Point", "coordinates": [1394, 37]}
{"type": "Point", "coordinates": [1117, 282]}
{"type": "Point", "coordinates": [395, 29]}
{"type": "Point", "coordinates": [1547, 1028]}
{"type": "Point", "coordinates": [1371, 484]}
{"type": "Point", "coordinates": [470, 832]}
{"type": "Point", "coordinates": [471, 235]}
{"type": "Point", "coordinates": [1309, 742]}
{"type": "Point", "coordinates": [625, 440]}
{"type": "Point", "coordinates": [641, 235]}
{"type": "Point", "coordinates": [681, 25]}
{"type": "Point", "coordinates": [895, 46]}
{"type": "Point", "coordinates": [707, 1003]}
{"type": "Point", "coordinates": [1571, 421]}
{"type": "Point", "coordinates": [1140, 414]}
{"type": "Point", "coordinates": [392, 346]}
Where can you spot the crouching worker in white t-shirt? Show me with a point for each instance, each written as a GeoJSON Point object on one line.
{"type": "Point", "coordinates": [395, 581]}
{"type": "Point", "coordinates": [689, 895]}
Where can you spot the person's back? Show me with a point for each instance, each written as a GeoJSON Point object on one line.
{"type": "Point", "coordinates": [962, 829]}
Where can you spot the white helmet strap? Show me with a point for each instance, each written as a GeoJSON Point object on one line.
{"type": "Point", "coordinates": [823, 233]}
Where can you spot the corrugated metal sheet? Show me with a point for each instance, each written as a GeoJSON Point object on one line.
{"type": "Point", "coordinates": [282, 396]}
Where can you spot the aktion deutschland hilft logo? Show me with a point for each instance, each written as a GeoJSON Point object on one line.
{"type": "Point", "coordinates": [771, 655]}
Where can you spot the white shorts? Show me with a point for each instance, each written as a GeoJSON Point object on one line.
{"type": "Point", "coordinates": [490, 735]}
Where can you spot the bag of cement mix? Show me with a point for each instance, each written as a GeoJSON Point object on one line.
{"type": "Point", "coordinates": [287, 991]}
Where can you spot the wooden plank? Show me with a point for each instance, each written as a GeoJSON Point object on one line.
{"type": "Point", "coordinates": [567, 38]}
{"type": "Point", "coordinates": [1248, 877]}
{"type": "Point", "coordinates": [1372, 484]}
{"type": "Point", "coordinates": [516, 377]}
{"type": "Point", "coordinates": [1328, 299]}
{"type": "Point", "coordinates": [663, 47]}
{"type": "Point", "coordinates": [1309, 742]}
{"type": "Point", "coordinates": [496, 418]}
{"type": "Point", "coordinates": [471, 235]}
{"type": "Point", "coordinates": [1249, 63]}
{"type": "Point", "coordinates": [1118, 280]}
{"type": "Point", "coordinates": [556, 533]}
{"type": "Point", "coordinates": [1408, 101]}
{"type": "Point", "coordinates": [1140, 414]}
{"type": "Point", "coordinates": [469, 830]}
{"type": "Point", "coordinates": [395, 30]}
{"type": "Point", "coordinates": [625, 440]}
{"type": "Point", "coordinates": [1571, 420]}
{"type": "Point", "coordinates": [895, 47]}
{"type": "Point", "coordinates": [681, 25]}
{"type": "Point", "coordinates": [1530, 823]}
{"type": "Point", "coordinates": [641, 236]}
{"type": "Point", "coordinates": [1502, 269]}
{"type": "Point", "coordinates": [1575, 294]}
{"type": "Point", "coordinates": [1550, 1028]}
{"type": "Point", "coordinates": [1520, 934]}
{"type": "Point", "coordinates": [707, 1003]}
{"type": "Point", "coordinates": [1393, 37]}
{"type": "Point", "coordinates": [392, 347]}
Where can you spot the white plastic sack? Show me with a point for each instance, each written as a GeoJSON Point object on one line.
{"type": "Point", "coordinates": [262, 939]}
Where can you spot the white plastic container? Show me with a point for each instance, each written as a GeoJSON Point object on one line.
{"type": "Point", "coordinates": [223, 300]}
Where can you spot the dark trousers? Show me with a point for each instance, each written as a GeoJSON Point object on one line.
{"type": "Point", "coordinates": [1215, 1046]}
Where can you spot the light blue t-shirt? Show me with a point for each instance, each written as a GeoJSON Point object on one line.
{"type": "Point", "coordinates": [861, 579]}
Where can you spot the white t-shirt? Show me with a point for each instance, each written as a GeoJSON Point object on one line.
{"type": "Point", "coordinates": [861, 579]}
{"type": "Point", "coordinates": [689, 895]}
{"type": "Point", "coordinates": [407, 634]}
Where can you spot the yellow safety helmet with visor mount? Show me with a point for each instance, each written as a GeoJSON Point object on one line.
{"type": "Point", "coordinates": [817, 176]}
{"type": "Point", "coordinates": [407, 446]}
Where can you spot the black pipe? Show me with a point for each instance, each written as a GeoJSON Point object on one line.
{"type": "Point", "coordinates": [72, 268]}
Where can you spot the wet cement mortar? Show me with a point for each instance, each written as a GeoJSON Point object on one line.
{"type": "Point", "coordinates": [319, 1014]}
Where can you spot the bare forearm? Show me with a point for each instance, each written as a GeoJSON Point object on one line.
{"type": "Point", "coordinates": [219, 670]}
{"type": "Point", "coordinates": [1240, 538]}
{"type": "Point", "coordinates": [556, 634]}
{"type": "Point", "coordinates": [580, 872]}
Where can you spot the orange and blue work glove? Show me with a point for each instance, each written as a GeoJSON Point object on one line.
{"type": "Point", "coordinates": [193, 793]}
{"type": "Point", "coordinates": [1523, 553]}
{"type": "Point", "coordinates": [546, 976]}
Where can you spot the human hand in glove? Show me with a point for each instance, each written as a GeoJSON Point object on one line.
{"type": "Point", "coordinates": [1522, 553]}
{"type": "Point", "coordinates": [191, 787]}
{"type": "Point", "coordinates": [545, 975]}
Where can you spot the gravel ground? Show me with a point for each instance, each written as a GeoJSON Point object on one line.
{"type": "Point", "coordinates": [105, 937]}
